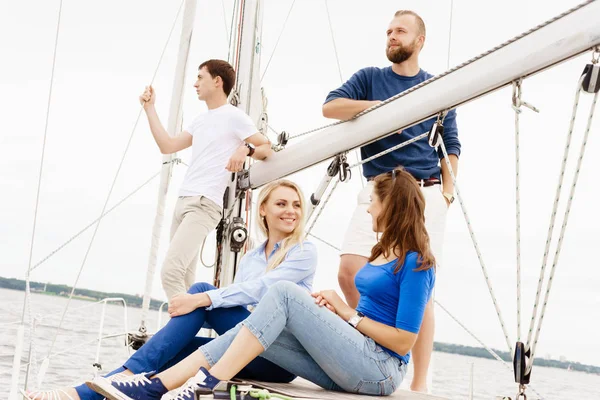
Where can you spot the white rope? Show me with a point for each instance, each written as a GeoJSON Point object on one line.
{"type": "Point", "coordinates": [517, 110]}
{"type": "Point", "coordinates": [50, 316]}
{"type": "Point", "coordinates": [325, 242]}
{"type": "Point", "coordinates": [383, 153]}
{"type": "Point", "coordinates": [450, 33]}
{"type": "Point", "coordinates": [517, 102]}
{"type": "Point", "coordinates": [277, 42]}
{"type": "Point", "coordinates": [227, 36]}
{"type": "Point", "coordinates": [71, 349]}
{"type": "Point", "coordinates": [26, 301]}
{"type": "Point", "coordinates": [565, 219]}
{"type": "Point", "coordinates": [337, 180]}
{"type": "Point", "coordinates": [272, 130]}
{"type": "Point", "coordinates": [113, 183]}
{"type": "Point", "coordinates": [37, 197]}
{"type": "Point", "coordinates": [476, 246]}
{"type": "Point", "coordinates": [233, 12]}
{"type": "Point", "coordinates": [32, 363]}
{"type": "Point", "coordinates": [237, 43]}
{"type": "Point", "coordinates": [362, 175]}
{"type": "Point", "coordinates": [43, 260]}
{"type": "Point", "coordinates": [201, 256]}
{"type": "Point", "coordinates": [489, 349]}
{"type": "Point", "coordinates": [337, 58]}
{"type": "Point", "coordinates": [554, 211]}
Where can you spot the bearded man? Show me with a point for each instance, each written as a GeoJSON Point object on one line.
{"type": "Point", "coordinates": [369, 86]}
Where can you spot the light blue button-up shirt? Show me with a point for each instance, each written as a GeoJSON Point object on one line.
{"type": "Point", "coordinates": [252, 279]}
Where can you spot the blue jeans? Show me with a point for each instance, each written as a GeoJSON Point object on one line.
{"type": "Point", "coordinates": [314, 343]}
{"type": "Point", "coordinates": [177, 340]}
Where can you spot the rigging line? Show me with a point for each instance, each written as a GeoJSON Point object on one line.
{"type": "Point", "coordinates": [277, 42]}
{"type": "Point", "coordinates": [233, 12]}
{"type": "Point", "coordinates": [42, 318]}
{"type": "Point", "coordinates": [227, 38]}
{"type": "Point", "coordinates": [450, 34]}
{"type": "Point", "coordinates": [43, 260]}
{"type": "Point", "coordinates": [337, 180]}
{"type": "Point", "coordinates": [113, 183]}
{"type": "Point", "coordinates": [554, 211]}
{"type": "Point", "coordinates": [238, 42]}
{"type": "Point", "coordinates": [489, 349]}
{"type": "Point", "coordinates": [273, 130]}
{"type": "Point", "coordinates": [476, 246]}
{"type": "Point", "coordinates": [324, 241]}
{"type": "Point", "coordinates": [26, 301]}
{"type": "Point", "coordinates": [563, 229]}
{"type": "Point", "coordinates": [337, 58]}
{"type": "Point", "coordinates": [37, 196]}
{"type": "Point", "coordinates": [396, 147]}
{"type": "Point", "coordinates": [87, 343]}
{"type": "Point", "coordinates": [166, 43]}
{"type": "Point", "coordinates": [517, 109]}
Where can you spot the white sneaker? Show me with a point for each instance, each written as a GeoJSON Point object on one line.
{"type": "Point", "coordinates": [119, 386]}
{"type": "Point", "coordinates": [187, 390]}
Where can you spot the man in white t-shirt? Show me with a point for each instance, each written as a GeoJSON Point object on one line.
{"type": "Point", "coordinates": [221, 139]}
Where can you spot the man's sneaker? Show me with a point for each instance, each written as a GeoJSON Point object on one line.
{"type": "Point", "coordinates": [128, 387]}
{"type": "Point", "coordinates": [201, 383]}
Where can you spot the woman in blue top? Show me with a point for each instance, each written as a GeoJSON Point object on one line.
{"type": "Point", "coordinates": [320, 337]}
{"type": "Point", "coordinates": [283, 256]}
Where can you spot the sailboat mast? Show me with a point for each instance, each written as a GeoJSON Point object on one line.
{"type": "Point", "coordinates": [245, 58]}
{"type": "Point", "coordinates": [173, 126]}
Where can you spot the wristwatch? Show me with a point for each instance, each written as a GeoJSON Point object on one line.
{"type": "Point", "coordinates": [449, 197]}
{"type": "Point", "coordinates": [356, 318]}
{"type": "Point", "coordinates": [250, 149]}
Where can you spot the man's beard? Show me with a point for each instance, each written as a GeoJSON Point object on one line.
{"type": "Point", "coordinates": [400, 53]}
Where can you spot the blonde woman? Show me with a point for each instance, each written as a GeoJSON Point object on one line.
{"type": "Point", "coordinates": [284, 256]}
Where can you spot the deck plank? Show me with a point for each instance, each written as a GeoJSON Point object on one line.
{"type": "Point", "coordinates": [302, 389]}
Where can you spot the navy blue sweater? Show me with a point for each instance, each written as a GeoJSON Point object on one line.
{"type": "Point", "coordinates": [418, 158]}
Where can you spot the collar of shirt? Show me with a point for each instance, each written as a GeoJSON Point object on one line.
{"type": "Point", "coordinates": [260, 250]}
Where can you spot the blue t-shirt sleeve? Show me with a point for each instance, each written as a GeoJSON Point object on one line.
{"type": "Point", "coordinates": [450, 135]}
{"type": "Point", "coordinates": [355, 88]}
{"type": "Point", "coordinates": [415, 291]}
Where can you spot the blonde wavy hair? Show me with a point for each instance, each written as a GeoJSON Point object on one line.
{"type": "Point", "coordinates": [297, 235]}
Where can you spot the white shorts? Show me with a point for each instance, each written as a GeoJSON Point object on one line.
{"type": "Point", "coordinates": [360, 238]}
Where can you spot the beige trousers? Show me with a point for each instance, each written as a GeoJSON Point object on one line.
{"type": "Point", "coordinates": [193, 219]}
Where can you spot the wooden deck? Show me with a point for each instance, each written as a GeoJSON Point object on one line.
{"type": "Point", "coordinates": [303, 389]}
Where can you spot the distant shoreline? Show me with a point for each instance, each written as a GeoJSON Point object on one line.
{"type": "Point", "coordinates": [136, 301]}
{"type": "Point", "coordinates": [81, 294]}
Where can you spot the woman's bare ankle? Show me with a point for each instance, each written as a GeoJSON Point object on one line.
{"type": "Point", "coordinates": [418, 387]}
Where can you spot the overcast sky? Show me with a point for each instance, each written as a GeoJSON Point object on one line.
{"type": "Point", "coordinates": [107, 53]}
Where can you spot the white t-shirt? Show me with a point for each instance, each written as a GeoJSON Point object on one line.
{"type": "Point", "coordinates": [216, 135]}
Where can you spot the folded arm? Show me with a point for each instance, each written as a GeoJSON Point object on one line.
{"type": "Point", "coordinates": [344, 109]}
